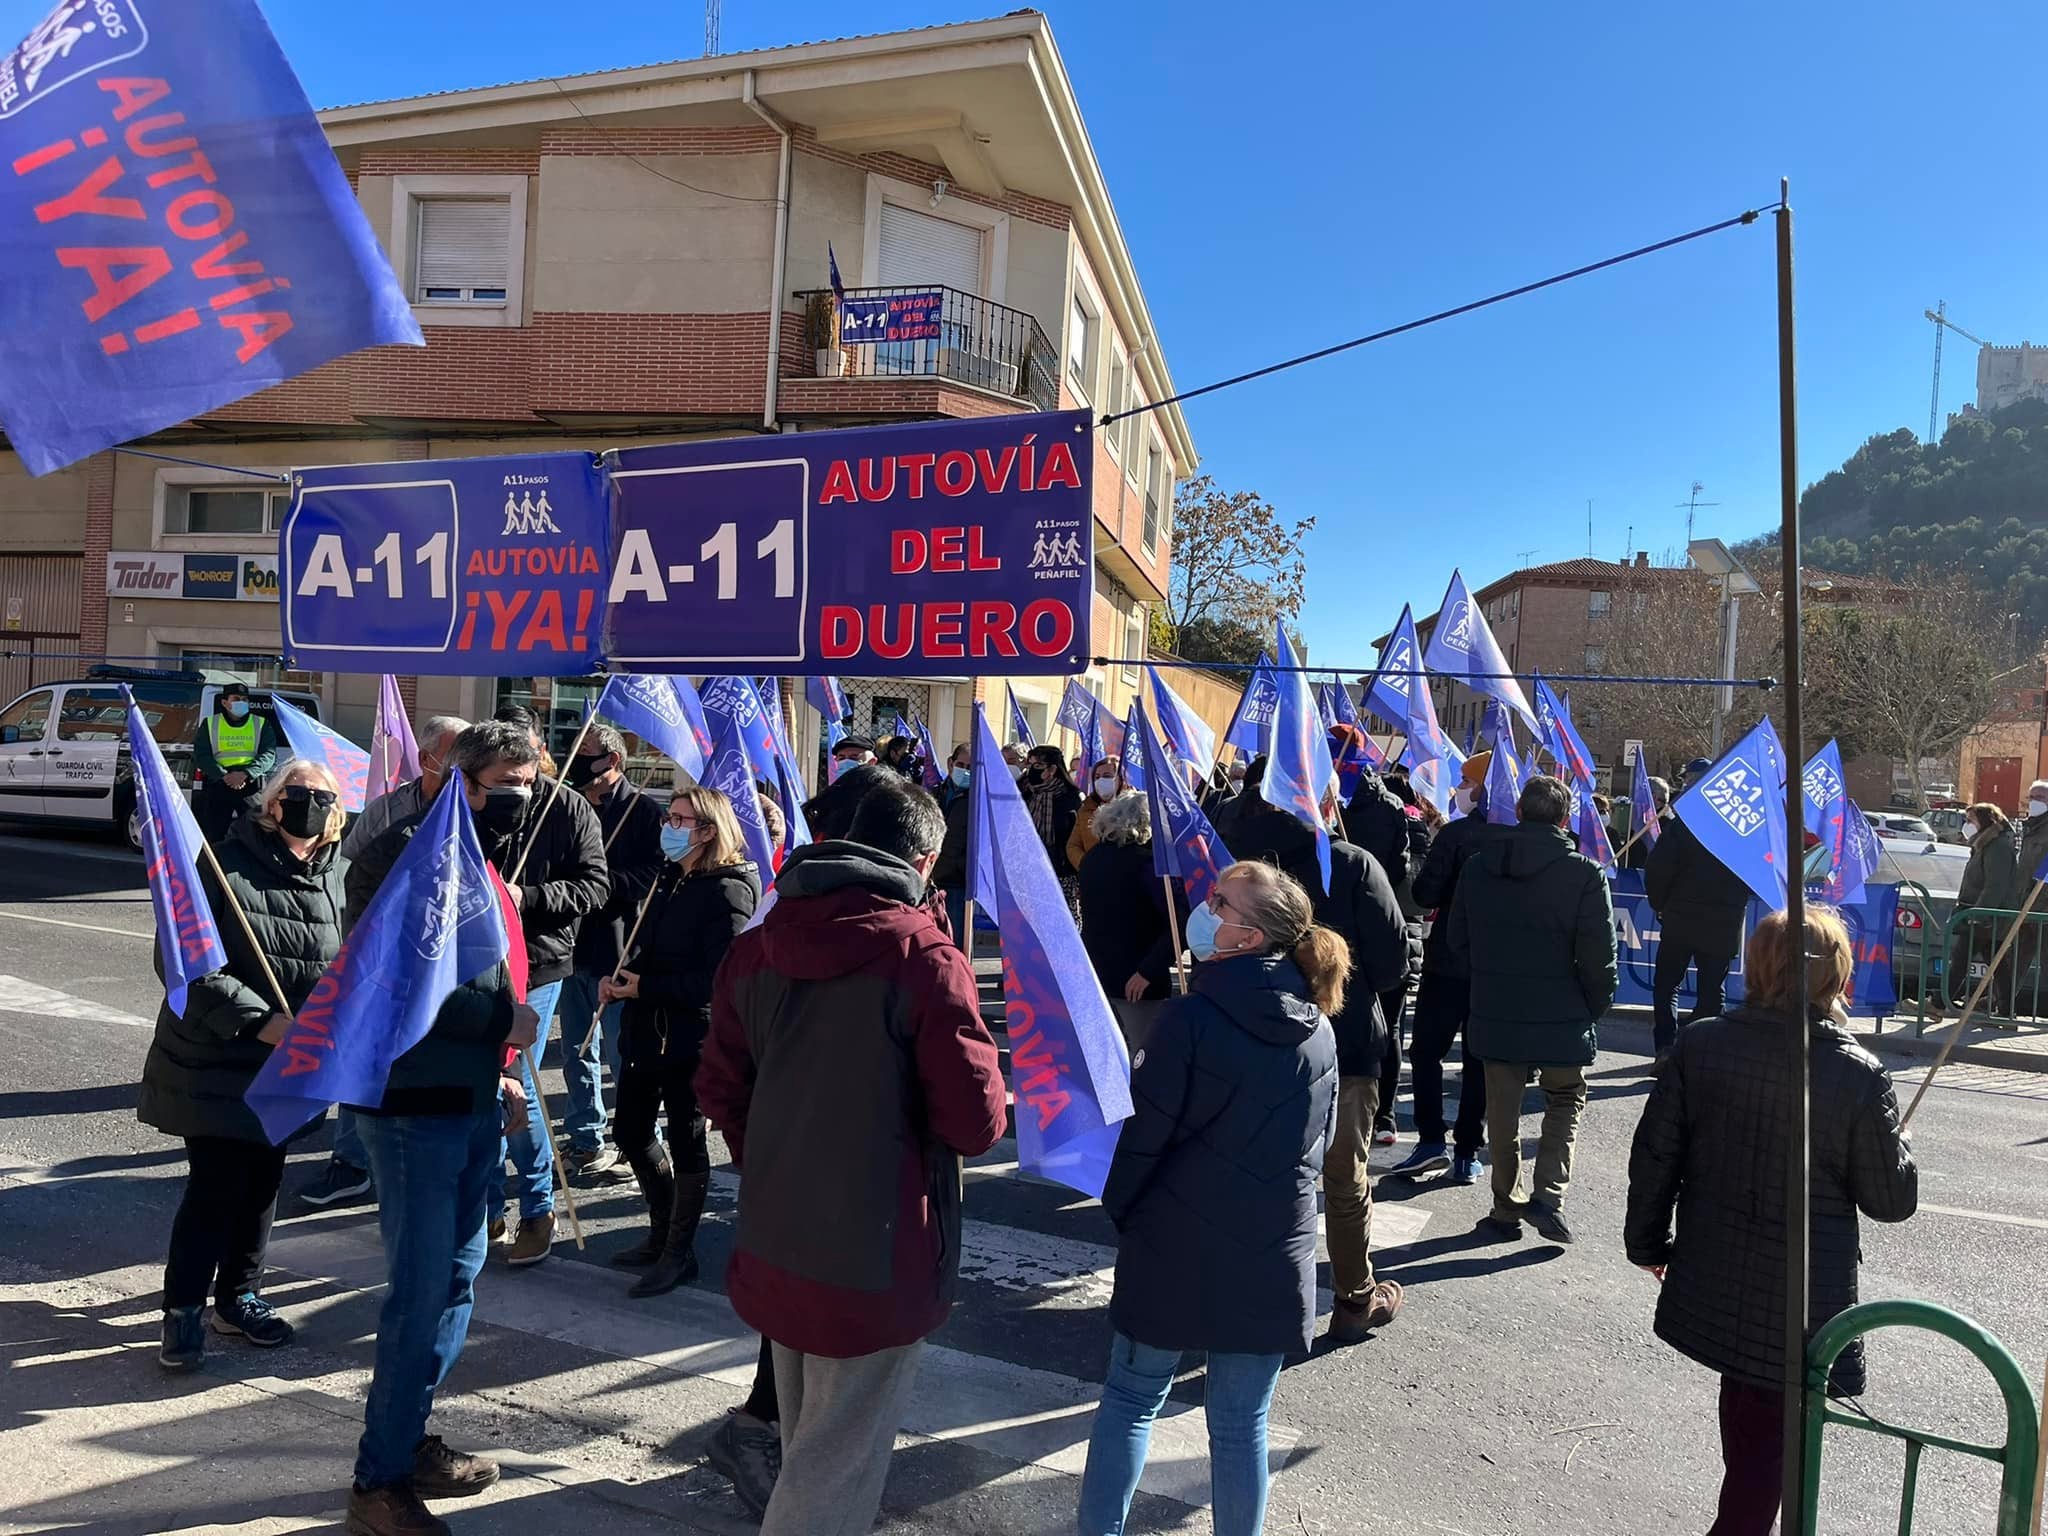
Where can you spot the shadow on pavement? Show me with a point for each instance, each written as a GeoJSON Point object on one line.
{"type": "Point", "coordinates": [24, 1103]}
{"type": "Point", "coordinates": [1427, 1262]}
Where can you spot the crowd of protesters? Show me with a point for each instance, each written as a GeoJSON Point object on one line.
{"type": "Point", "coordinates": [822, 1016]}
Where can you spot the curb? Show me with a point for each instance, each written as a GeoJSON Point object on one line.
{"type": "Point", "coordinates": [1899, 1041]}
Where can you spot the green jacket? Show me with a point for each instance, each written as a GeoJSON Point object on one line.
{"type": "Point", "coordinates": [258, 768]}
{"type": "Point", "coordinates": [1534, 922]}
{"type": "Point", "coordinates": [1992, 877]}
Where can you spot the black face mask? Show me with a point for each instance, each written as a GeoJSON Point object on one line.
{"type": "Point", "coordinates": [585, 770]}
{"type": "Point", "coordinates": [302, 818]}
{"type": "Point", "coordinates": [503, 809]}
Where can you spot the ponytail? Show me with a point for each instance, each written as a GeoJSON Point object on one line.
{"type": "Point", "coordinates": [1324, 960]}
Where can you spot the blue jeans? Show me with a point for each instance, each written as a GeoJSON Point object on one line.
{"type": "Point", "coordinates": [1238, 1392]}
{"type": "Point", "coordinates": [434, 1178]}
{"type": "Point", "coordinates": [586, 1051]}
{"type": "Point", "coordinates": [348, 1140]}
{"type": "Point", "coordinates": [528, 1149]}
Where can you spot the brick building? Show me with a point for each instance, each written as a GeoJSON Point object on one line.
{"type": "Point", "coordinates": [635, 256]}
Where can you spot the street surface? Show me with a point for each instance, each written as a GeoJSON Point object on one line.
{"type": "Point", "coordinates": [1520, 1391]}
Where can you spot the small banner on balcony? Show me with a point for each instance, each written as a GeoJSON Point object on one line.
{"type": "Point", "coordinates": [947, 548]}
{"type": "Point", "coordinates": [891, 317]}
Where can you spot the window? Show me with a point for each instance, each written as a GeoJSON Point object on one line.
{"type": "Point", "coordinates": [1596, 605]}
{"type": "Point", "coordinates": [463, 250]}
{"type": "Point", "coordinates": [1134, 640]}
{"type": "Point", "coordinates": [264, 671]}
{"type": "Point", "coordinates": [1131, 430]}
{"type": "Point", "coordinates": [1113, 402]}
{"type": "Point", "coordinates": [223, 509]}
{"type": "Point", "coordinates": [1596, 658]}
{"type": "Point", "coordinates": [1083, 326]}
{"type": "Point", "coordinates": [1155, 471]}
{"type": "Point", "coordinates": [26, 719]}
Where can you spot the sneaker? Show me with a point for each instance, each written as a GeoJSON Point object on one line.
{"type": "Point", "coordinates": [1549, 1220]}
{"type": "Point", "coordinates": [254, 1319]}
{"type": "Point", "coordinates": [440, 1473]}
{"type": "Point", "coordinates": [393, 1511]}
{"type": "Point", "coordinates": [184, 1344]}
{"type": "Point", "coordinates": [1428, 1157]}
{"type": "Point", "coordinates": [1384, 1134]}
{"type": "Point", "coordinates": [534, 1241]}
{"type": "Point", "coordinates": [585, 1163]}
{"type": "Point", "coordinates": [1464, 1169]}
{"type": "Point", "coordinates": [748, 1454]}
{"type": "Point", "coordinates": [339, 1183]}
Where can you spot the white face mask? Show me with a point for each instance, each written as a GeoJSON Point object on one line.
{"type": "Point", "coordinates": [1466, 797]}
{"type": "Point", "coordinates": [2037, 807]}
{"type": "Point", "coordinates": [1105, 789]}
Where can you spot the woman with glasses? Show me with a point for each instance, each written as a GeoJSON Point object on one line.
{"type": "Point", "coordinates": [284, 868]}
{"type": "Point", "coordinates": [701, 900]}
{"type": "Point", "coordinates": [1213, 1191]}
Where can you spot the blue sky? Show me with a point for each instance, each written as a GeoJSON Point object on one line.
{"type": "Point", "coordinates": [1288, 175]}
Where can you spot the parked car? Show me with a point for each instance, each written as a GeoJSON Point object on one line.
{"type": "Point", "coordinates": [1948, 824]}
{"type": "Point", "coordinates": [64, 745]}
{"type": "Point", "coordinates": [1894, 827]}
{"type": "Point", "coordinates": [1938, 869]}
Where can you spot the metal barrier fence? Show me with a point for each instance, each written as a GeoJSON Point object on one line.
{"type": "Point", "coordinates": [2016, 1456]}
{"type": "Point", "coordinates": [1968, 938]}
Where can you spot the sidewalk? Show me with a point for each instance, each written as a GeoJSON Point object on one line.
{"type": "Point", "coordinates": [2022, 1048]}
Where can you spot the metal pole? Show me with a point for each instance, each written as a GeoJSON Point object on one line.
{"type": "Point", "coordinates": [975, 770]}
{"type": "Point", "coordinates": [1798, 1193]}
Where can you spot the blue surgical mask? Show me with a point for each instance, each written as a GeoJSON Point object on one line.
{"type": "Point", "coordinates": [1204, 928]}
{"type": "Point", "coordinates": [960, 777]}
{"type": "Point", "coordinates": [238, 709]}
{"type": "Point", "coordinates": [675, 841]}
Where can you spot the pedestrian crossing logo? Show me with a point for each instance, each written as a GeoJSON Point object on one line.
{"type": "Point", "coordinates": [1056, 552]}
{"type": "Point", "coordinates": [1458, 633]}
{"type": "Point", "coordinates": [1736, 795]}
{"type": "Point", "coordinates": [76, 39]}
{"type": "Point", "coordinates": [526, 514]}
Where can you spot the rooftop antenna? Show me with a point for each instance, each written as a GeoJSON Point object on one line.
{"type": "Point", "coordinates": [711, 8]}
{"type": "Point", "coordinates": [1523, 556]}
{"type": "Point", "coordinates": [1589, 527]}
{"type": "Point", "coordinates": [1692, 504]}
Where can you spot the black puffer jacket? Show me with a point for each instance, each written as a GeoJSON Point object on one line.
{"type": "Point", "coordinates": [1436, 888]}
{"type": "Point", "coordinates": [1711, 1150]}
{"type": "Point", "coordinates": [1361, 908]}
{"type": "Point", "coordinates": [1696, 897]}
{"type": "Point", "coordinates": [564, 879]}
{"type": "Point", "coordinates": [1213, 1190]}
{"type": "Point", "coordinates": [1378, 822]}
{"type": "Point", "coordinates": [629, 824]}
{"type": "Point", "coordinates": [1535, 924]}
{"type": "Point", "coordinates": [200, 1065]}
{"type": "Point", "coordinates": [1123, 917]}
{"type": "Point", "coordinates": [690, 924]}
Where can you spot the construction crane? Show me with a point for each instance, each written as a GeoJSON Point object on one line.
{"type": "Point", "coordinates": [1942, 323]}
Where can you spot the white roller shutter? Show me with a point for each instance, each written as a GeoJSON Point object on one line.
{"type": "Point", "coordinates": [920, 251]}
{"type": "Point", "coordinates": [464, 242]}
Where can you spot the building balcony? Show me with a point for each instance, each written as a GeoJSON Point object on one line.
{"type": "Point", "coordinates": [965, 338]}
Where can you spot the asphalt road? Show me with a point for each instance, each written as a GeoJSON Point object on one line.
{"type": "Point", "coordinates": [1521, 1390]}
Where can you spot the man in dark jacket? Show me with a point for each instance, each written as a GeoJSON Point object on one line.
{"type": "Point", "coordinates": [1700, 904]}
{"type": "Point", "coordinates": [630, 823]}
{"type": "Point", "coordinates": [433, 1144]}
{"type": "Point", "coordinates": [233, 753]}
{"type": "Point", "coordinates": [1535, 924]}
{"type": "Point", "coordinates": [849, 1028]}
{"type": "Point", "coordinates": [1377, 821]}
{"type": "Point", "coordinates": [1442, 1003]}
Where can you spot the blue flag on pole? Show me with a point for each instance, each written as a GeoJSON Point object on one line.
{"type": "Point", "coordinates": [1504, 784]}
{"type": "Point", "coordinates": [1251, 727]}
{"type": "Point", "coordinates": [1589, 829]}
{"type": "Point", "coordinates": [647, 704]}
{"type": "Point", "coordinates": [394, 753]}
{"type": "Point", "coordinates": [1827, 808]}
{"type": "Point", "coordinates": [1461, 646]}
{"type": "Point", "coordinates": [1325, 705]}
{"type": "Point", "coordinates": [1077, 707]}
{"type": "Point", "coordinates": [1471, 735]}
{"type": "Point", "coordinates": [1189, 740]}
{"type": "Point", "coordinates": [186, 938]}
{"type": "Point", "coordinates": [1137, 765]}
{"type": "Point", "coordinates": [1860, 856]}
{"type": "Point", "coordinates": [1737, 811]}
{"type": "Point", "coordinates": [730, 773]}
{"type": "Point", "coordinates": [1019, 726]}
{"type": "Point", "coordinates": [1644, 803]}
{"type": "Point", "coordinates": [1341, 705]}
{"type": "Point", "coordinates": [309, 739]}
{"type": "Point", "coordinates": [734, 701]}
{"type": "Point", "coordinates": [179, 233]}
{"type": "Point", "coordinates": [1184, 845]}
{"type": "Point", "coordinates": [1070, 1074]}
{"type": "Point", "coordinates": [1431, 756]}
{"type": "Point", "coordinates": [827, 698]}
{"type": "Point", "coordinates": [1556, 734]}
{"type": "Point", "coordinates": [832, 269]}
{"type": "Point", "coordinates": [1298, 768]}
{"type": "Point", "coordinates": [435, 923]}
{"type": "Point", "coordinates": [934, 775]}
{"type": "Point", "coordinates": [1399, 677]}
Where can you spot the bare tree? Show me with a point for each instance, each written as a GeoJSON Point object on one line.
{"type": "Point", "coordinates": [1237, 566]}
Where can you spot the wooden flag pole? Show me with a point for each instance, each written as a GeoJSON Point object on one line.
{"type": "Point", "coordinates": [248, 933]}
{"type": "Point", "coordinates": [1634, 838]}
{"type": "Point", "coordinates": [1180, 975]}
{"type": "Point", "coordinates": [554, 792]}
{"type": "Point", "coordinates": [1976, 997]}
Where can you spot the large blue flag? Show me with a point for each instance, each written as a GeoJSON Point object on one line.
{"type": "Point", "coordinates": [1432, 757]}
{"type": "Point", "coordinates": [1643, 801]}
{"type": "Point", "coordinates": [729, 772]}
{"type": "Point", "coordinates": [1462, 647]}
{"type": "Point", "coordinates": [178, 233]}
{"type": "Point", "coordinates": [1189, 740]}
{"type": "Point", "coordinates": [1589, 829]}
{"type": "Point", "coordinates": [1326, 707]}
{"type": "Point", "coordinates": [1556, 734]}
{"type": "Point", "coordinates": [1827, 807]}
{"type": "Point", "coordinates": [1251, 727]}
{"type": "Point", "coordinates": [186, 937]}
{"type": "Point", "coordinates": [1184, 845]}
{"type": "Point", "coordinates": [1341, 705]}
{"type": "Point", "coordinates": [734, 701]}
{"type": "Point", "coordinates": [1077, 707]}
{"type": "Point", "coordinates": [314, 742]}
{"type": "Point", "coordinates": [1399, 676]}
{"type": "Point", "coordinates": [648, 705]}
{"type": "Point", "coordinates": [1844, 887]}
{"type": "Point", "coordinates": [1018, 724]}
{"type": "Point", "coordinates": [1070, 1075]}
{"type": "Point", "coordinates": [1737, 811]}
{"type": "Point", "coordinates": [790, 790]}
{"type": "Point", "coordinates": [1298, 768]}
{"type": "Point", "coordinates": [934, 773]}
{"type": "Point", "coordinates": [435, 923]}
{"type": "Point", "coordinates": [1137, 766]}
{"type": "Point", "coordinates": [1504, 784]}
{"type": "Point", "coordinates": [827, 698]}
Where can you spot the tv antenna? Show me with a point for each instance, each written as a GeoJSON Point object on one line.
{"type": "Point", "coordinates": [711, 9]}
{"type": "Point", "coordinates": [1692, 504]}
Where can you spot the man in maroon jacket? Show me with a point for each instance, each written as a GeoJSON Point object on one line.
{"type": "Point", "coordinates": [848, 1027]}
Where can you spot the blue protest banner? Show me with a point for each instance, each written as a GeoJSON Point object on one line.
{"type": "Point", "coordinates": [179, 234]}
{"type": "Point", "coordinates": [1251, 727]}
{"type": "Point", "coordinates": [1070, 1072]}
{"type": "Point", "coordinates": [1298, 769]}
{"type": "Point", "coordinates": [1461, 646]}
{"type": "Point", "coordinates": [1737, 811]}
{"type": "Point", "coordinates": [1399, 675]}
{"type": "Point", "coordinates": [650, 707]}
{"type": "Point", "coordinates": [1184, 844]}
{"type": "Point", "coordinates": [459, 566]}
{"type": "Point", "coordinates": [309, 739]}
{"type": "Point", "coordinates": [938, 547]}
{"type": "Point", "coordinates": [188, 943]}
{"type": "Point", "coordinates": [891, 317]}
{"type": "Point", "coordinates": [435, 923]}
{"type": "Point", "coordinates": [1018, 723]}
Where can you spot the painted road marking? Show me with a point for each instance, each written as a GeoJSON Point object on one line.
{"type": "Point", "coordinates": [65, 922]}
{"type": "Point", "coordinates": [1999, 1217]}
{"type": "Point", "coordinates": [18, 996]}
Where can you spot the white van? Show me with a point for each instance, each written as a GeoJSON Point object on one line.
{"type": "Point", "coordinates": [64, 746]}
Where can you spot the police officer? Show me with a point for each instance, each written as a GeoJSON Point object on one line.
{"type": "Point", "coordinates": [234, 753]}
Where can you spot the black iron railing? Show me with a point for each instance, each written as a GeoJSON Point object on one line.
{"type": "Point", "coordinates": [979, 342]}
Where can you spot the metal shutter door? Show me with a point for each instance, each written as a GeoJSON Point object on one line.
{"type": "Point", "coordinates": [919, 251]}
{"type": "Point", "coordinates": [463, 243]}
